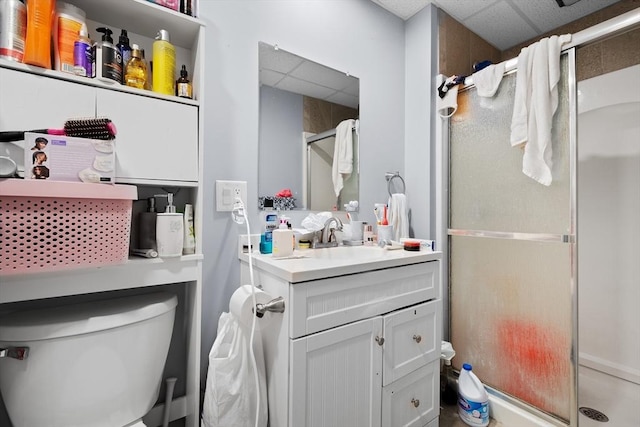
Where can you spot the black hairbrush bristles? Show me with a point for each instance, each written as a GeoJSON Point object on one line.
{"type": "Point", "coordinates": [97, 128]}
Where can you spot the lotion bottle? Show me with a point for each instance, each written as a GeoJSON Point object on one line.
{"type": "Point", "coordinates": [108, 58]}
{"type": "Point", "coordinates": [283, 240]}
{"type": "Point", "coordinates": [169, 230]}
{"type": "Point", "coordinates": [164, 64]}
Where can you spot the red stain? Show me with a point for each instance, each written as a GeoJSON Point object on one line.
{"type": "Point", "coordinates": [538, 363]}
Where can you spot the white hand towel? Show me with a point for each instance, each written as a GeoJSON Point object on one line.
{"type": "Point", "coordinates": [536, 101]}
{"type": "Point", "coordinates": [398, 216]}
{"type": "Point", "coordinates": [342, 155]}
{"type": "Point", "coordinates": [488, 80]}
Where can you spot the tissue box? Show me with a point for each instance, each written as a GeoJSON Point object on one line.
{"type": "Point", "coordinates": [64, 158]}
{"type": "Point", "coordinates": [171, 4]}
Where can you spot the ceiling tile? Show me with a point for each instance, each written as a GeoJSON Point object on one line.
{"type": "Point", "coordinates": [270, 78]}
{"type": "Point", "coordinates": [321, 75]}
{"type": "Point", "coordinates": [343, 99]}
{"type": "Point", "coordinates": [463, 9]}
{"type": "Point", "coordinates": [501, 25]}
{"type": "Point", "coordinates": [278, 60]}
{"type": "Point", "coordinates": [547, 15]}
{"type": "Point", "coordinates": [405, 9]}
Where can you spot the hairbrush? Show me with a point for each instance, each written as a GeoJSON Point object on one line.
{"type": "Point", "coordinates": [93, 128]}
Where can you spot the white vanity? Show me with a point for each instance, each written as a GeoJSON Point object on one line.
{"type": "Point", "coordinates": [359, 341]}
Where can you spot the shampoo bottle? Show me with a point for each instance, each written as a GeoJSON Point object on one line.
{"type": "Point", "coordinates": [136, 70]}
{"type": "Point", "coordinates": [164, 64]}
{"type": "Point", "coordinates": [83, 60]}
{"type": "Point", "coordinates": [108, 58]}
{"type": "Point", "coordinates": [283, 240]}
{"type": "Point", "coordinates": [189, 241]}
{"type": "Point", "coordinates": [37, 49]}
{"type": "Point", "coordinates": [125, 50]}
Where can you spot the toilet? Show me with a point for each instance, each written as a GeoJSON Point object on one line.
{"type": "Point", "coordinates": [92, 364]}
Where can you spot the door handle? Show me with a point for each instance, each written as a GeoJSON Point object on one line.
{"type": "Point", "coordinates": [415, 402]}
{"type": "Point", "coordinates": [417, 338]}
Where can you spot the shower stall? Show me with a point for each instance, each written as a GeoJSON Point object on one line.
{"type": "Point", "coordinates": [544, 282]}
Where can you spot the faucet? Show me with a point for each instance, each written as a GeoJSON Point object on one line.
{"type": "Point", "coordinates": [327, 236]}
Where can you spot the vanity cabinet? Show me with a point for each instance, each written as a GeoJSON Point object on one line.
{"type": "Point", "coordinates": [158, 147]}
{"type": "Point", "coordinates": [360, 349]}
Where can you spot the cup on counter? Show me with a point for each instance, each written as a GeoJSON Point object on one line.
{"type": "Point", "coordinates": [357, 230]}
{"type": "Point", "coordinates": [385, 232]}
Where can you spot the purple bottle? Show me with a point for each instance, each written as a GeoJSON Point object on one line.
{"type": "Point", "coordinates": [83, 56]}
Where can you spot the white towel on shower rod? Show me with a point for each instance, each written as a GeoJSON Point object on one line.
{"type": "Point", "coordinates": [398, 216]}
{"type": "Point", "coordinates": [342, 155]}
{"type": "Point", "coordinates": [536, 101]}
{"type": "Point", "coordinates": [488, 79]}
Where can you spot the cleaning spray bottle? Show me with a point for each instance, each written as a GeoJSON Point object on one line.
{"type": "Point", "coordinates": [473, 400]}
{"type": "Point", "coordinates": [283, 240]}
{"type": "Point", "coordinates": [108, 58]}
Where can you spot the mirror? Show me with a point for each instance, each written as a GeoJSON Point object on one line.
{"type": "Point", "coordinates": [301, 105]}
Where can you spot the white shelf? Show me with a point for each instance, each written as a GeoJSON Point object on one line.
{"type": "Point", "coordinates": [136, 273]}
{"type": "Point", "coordinates": [92, 82]}
{"type": "Point", "coordinates": [144, 18]}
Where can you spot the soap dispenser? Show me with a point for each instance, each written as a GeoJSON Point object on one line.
{"type": "Point", "coordinates": [283, 240]}
{"type": "Point", "coordinates": [169, 230]}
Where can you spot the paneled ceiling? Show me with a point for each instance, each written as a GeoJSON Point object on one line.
{"type": "Point", "coordinates": [503, 23]}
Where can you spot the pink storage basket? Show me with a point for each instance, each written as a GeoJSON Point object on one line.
{"type": "Point", "coordinates": [49, 226]}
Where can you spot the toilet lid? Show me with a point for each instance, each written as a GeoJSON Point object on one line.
{"type": "Point", "coordinates": [83, 318]}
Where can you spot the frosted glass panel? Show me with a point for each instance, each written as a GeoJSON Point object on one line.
{"type": "Point", "coordinates": [488, 189]}
{"type": "Point", "coordinates": [511, 319]}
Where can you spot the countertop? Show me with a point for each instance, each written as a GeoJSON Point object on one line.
{"type": "Point", "coordinates": [313, 264]}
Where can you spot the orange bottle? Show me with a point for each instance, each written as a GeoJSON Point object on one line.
{"type": "Point", "coordinates": [37, 50]}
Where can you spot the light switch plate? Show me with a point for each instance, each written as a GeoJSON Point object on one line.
{"type": "Point", "coordinates": [226, 193]}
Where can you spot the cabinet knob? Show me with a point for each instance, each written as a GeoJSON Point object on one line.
{"type": "Point", "coordinates": [417, 338]}
{"type": "Point", "coordinates": [380, 340]}
{"type": "Point", "coordinates": [415, 402]}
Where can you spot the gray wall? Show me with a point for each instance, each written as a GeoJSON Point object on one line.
{"type": "Point", "coordinates": [281, 148]}
{"type": "Point", "coordinates": [356, 36]}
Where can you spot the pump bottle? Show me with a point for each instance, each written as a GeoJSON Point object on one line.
{"type": "Point", "coordinates": [108, 58]}
{"type": "Point", "coordinates": [283, 240]}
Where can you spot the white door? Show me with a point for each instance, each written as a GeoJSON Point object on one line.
{"type": "Point", "coordinates": [157, 140]}
{"type": "Point", "coordinates": [30, 102]}
{"type": "Point", "coordinates": [336, 377]}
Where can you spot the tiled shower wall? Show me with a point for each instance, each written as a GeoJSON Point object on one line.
{"type": "Point", "coordinates": [319, 116]}
{"type": "Point", "coordinates": [460, 48]}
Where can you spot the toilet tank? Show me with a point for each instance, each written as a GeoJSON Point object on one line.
{"type": "Point", "coordinates": [94, 364]}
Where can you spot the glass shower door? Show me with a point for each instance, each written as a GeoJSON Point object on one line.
{"type": "Point", "coordinates": [512, 252]}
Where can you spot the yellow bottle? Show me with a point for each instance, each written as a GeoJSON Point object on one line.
{"type": "Point", "coordinates": [136, 70]}
{"type": "Point", "coordinates": [164, 64]}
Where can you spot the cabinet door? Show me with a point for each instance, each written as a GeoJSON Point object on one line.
{"type": "Point", "coordinates": [412, 339]}
{"type": "Point", "coordinates": [31, 102]}
{"type": "Point", "coordinates": [335, 377]}
{"type": "Point", "coordinates": [414, 400]}
{"type": "Point", "coordinates": [157, 139]}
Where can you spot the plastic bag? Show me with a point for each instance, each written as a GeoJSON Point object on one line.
{"type": "Point", "coordinates": [315, 222]}
{"type": "Point", "coordinates": [231, 394]}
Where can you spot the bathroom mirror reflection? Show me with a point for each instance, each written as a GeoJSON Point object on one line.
{"type": "Point", "coordinates": [302, 105]}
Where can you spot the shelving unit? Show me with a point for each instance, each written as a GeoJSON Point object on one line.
{"type": "Point", "coordinates": [34, 98]}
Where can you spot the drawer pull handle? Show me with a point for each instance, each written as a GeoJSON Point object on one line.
{"type": "Point", "coordinates": [415, 402]}
{"type": "Point", "coordinates": [380, 340]}
{"type": "Point", "coordinates": [417, 338]}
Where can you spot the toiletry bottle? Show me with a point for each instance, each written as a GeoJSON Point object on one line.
{"type": "Point", "coordinates": [108, 58]}
{"type": "Point", "coordinates": [13, 29]}
{"type": "Point", "coordinates": [189, 241]}
{"type": "Point", "coordinates": [283, 240]}
{"type": "Point", "coordinates": [269, 223]}
{"type": "Point", "coordinates": [125, 50]}
{"type": "Point", "coordinates": [164, 64]}
{"type": "Point", "coordinates": [83, 60]}
{"type": "Point", "coordinates": [147, 226]}
{"type": "Point", "coordinates": [37, 49]}
{"type": "Point", "coordinates": [136, 70]}
{"type": "Point", "coordinates": [183, 85]}
{"type": "Point", "coordinates": [69, 21]}
{"type": "Point", "coordinates": [169, 230]}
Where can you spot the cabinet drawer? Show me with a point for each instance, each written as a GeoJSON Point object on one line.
{"type": "Point", "coordinates": [413, 400]}
{"type": "Point", "coordinates": [156, 140]}
{"type": "Point", "coordinates": [322, 304]}
{"type": "Point", "coordinates": [412, 339]}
